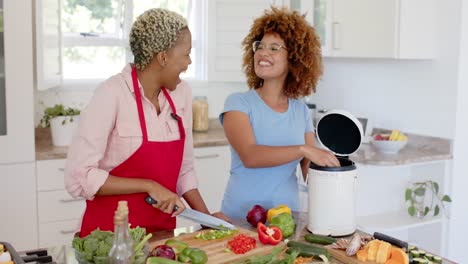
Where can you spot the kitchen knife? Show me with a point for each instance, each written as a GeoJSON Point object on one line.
{"type": "Point", "coordinates": [198, 217]}
{"type": "Point", "coordinates": [391, 240]}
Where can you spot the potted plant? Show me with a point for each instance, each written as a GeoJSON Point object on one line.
{"type": "Point", "coordinates": [62, 121]}
{"type": "Point", "coordinates": [423, 197]}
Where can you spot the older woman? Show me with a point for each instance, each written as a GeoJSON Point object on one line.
{"type": "Point", "coordinates": [134, 138]}
{"type": "Point", "coordinates": [268, 128]}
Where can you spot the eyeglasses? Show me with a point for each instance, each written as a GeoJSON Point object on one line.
{"type": "Point", "coordinates": [273, 47]}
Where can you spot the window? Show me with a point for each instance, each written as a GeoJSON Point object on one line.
{"type": "Point", "coordinates": [95, 35]}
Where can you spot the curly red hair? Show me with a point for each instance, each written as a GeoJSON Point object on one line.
{"type": "Point", "coordinates": [304, 52]}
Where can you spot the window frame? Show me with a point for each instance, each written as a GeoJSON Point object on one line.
{"type": "Point", "coordinates": [199, 43]}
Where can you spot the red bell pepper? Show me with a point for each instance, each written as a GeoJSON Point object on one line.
{"type": "Point", "coordinates": [269, 235]}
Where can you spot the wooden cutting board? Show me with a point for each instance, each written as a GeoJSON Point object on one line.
{"type": "Point", "coordinates": [341, 256]}
{"type": "Point", "coordinates": [215, 249]}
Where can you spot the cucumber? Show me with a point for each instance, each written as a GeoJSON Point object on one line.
{"type": "Point", "coordinates": [437, 259]}
{"type": "Point", "coordinates": [318, 239]}
{"type": "Point", "coordinates": [159, 260]}
{"type": "Point", "coordinates": [414, 253]}
{"type": "Point", "coordinates": [308, 249]}
{"type": "Point", "coordinates": [307, 252]}
{"type": "Point", "coordinates": [429, 257]}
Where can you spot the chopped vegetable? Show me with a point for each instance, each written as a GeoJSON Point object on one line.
{"type": "Point", "coordinates": [269, 235]}
{"type": "Point", "coordinates": [241, 244]}
{"type": "Point", "coordinates": [215, 234]}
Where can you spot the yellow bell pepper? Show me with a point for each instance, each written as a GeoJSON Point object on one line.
{"type": "Point", "coordinates": [277, 210]}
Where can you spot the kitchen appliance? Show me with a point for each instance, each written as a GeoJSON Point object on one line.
{"type": "Point", "coordinates": [332, 190]}
{"type": "Point", "coordinates": [31, 256]}
{"type": "Point", "coordinates": [199, 217]}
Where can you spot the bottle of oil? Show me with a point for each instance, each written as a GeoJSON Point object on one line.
{"type": "Point", "coordinates": [122, 247]}
{"type": "Point", "coordinates": [200, 114]}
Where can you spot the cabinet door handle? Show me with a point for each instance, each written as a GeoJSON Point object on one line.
{"type": "Point", "coordinates": [207, 156]}
{"type": "Point", "coordinates": [336, 42]}
{"type": "Point", "coordinates": [69, 200]}
{"type": "Point", "coordinates": [61, 169]}
{"type": "Point", "coordinates": [69, 231]}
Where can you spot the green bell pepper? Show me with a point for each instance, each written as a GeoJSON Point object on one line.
{"type": "Point", "coordinates": [193, 255]}
{"type": "Point", "coordinates": [285, 222]}
{"type": "Point", "coordinates": [176, 245]}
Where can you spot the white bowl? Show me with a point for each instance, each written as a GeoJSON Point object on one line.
{"type": "Point", "coordinates": [387, 146]}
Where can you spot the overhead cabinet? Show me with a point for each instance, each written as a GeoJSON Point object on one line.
{"type": "Point", "coordinates": [400, 29]}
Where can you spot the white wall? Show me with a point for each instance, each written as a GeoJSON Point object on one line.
{"type": "Point", "coordinates": [458, 228]}
{"type": "Point", "coordinates": [412, 95]}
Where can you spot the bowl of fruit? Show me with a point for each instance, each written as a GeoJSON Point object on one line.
{"type": "Point", "coordinates": [389, 143]}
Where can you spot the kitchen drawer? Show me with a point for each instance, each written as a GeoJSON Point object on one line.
{"type": "Point", "coordinates": [59, 205]}
{"type": "Point", "coordinates": [50, 174]}
{"type": "Point", "coordinates": [58, 233]}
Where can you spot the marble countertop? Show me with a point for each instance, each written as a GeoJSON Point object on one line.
{"type": "Point", "coordinates": [418, 150]}
{"type": "Point", "coordinates": [46, 151]}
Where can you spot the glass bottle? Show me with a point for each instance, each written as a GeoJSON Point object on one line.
{"type": "Point", "coordinates": [122, 247]}
{"type": "Point", "coordinates": [200, 114]}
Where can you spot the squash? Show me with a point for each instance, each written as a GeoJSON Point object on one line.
{"type": "Point", "coordinates": [392, 261]}
{"type": "Point", "coordinates": [384, 252]}
{"type": "Point", "coordinates": [399, 256]}
{"type": "Point", "coordinates": [362, 254]}
{"type": "Point", "coordinates": [373, 247]}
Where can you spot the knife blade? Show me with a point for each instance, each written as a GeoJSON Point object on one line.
{"type": "Point", "coordinates": [391, 240]}
{"type": "Point", "coordinates": [198, 217]}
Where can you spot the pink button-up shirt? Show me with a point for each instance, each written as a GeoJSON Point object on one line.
{"type": "Point", "coordinates": [109, 133]}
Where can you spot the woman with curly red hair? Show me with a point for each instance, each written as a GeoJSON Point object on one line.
{"type": "Point", "coordinates": [269, 129]}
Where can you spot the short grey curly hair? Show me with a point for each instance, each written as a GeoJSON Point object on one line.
{"type": "Point", "coordinates": [154, 31]}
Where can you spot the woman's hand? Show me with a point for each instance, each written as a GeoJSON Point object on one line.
{"type": "Point", "coordinates": [320, 157]}
{"type": "Point", "coordinates": [166, 200]}
{"type": "Point", "coordinates": [222, 216]}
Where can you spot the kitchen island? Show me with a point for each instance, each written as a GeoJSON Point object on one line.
{"type": "Point", "coordinates": [64, 254]}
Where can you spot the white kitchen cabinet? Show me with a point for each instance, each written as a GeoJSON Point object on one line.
{"type": "Point", "coordinates": [212, 165]}
{"type": "Point", "coordinates": [59, 214]}
{"type": "Point", "coordinates": [381, 203]}
{"type": "Point", "coordinates": [399, 29]}
{"type": "Point", "coordinates": [16, 83]}
{"type": "Point", "coordinates": [18, 203]}
{"type": "Point", "coordinates": [229, 22]}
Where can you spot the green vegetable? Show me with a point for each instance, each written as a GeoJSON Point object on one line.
{"type": "Point", "coordinates": [272, 258]}
{"type": "Point", "coordinates": [95, 247]}
{"type": "Point", "coordinates": [159, 260]}
{"type": "Point", "coordinates": [215, 234]}
{"type": "Point", "coordinates": [317, 239]}
{"type": "Point", "coordinates": [193, 255]}
{"type": "Point", "coordinates": [307, 250]}
{"type": "Point", "coordinates": [285, 222]}
{"type": "Point", "coordinates": [176, 245]}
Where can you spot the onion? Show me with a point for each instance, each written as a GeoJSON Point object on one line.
{"type": "Point", "coordinates": [256, 214]}
{"type": "Point", "coordinates": [164, 251]}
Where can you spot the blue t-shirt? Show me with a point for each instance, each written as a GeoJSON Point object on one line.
{"type": "Point", "coordinates": [269, 186]}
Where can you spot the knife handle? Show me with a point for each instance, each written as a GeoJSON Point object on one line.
{"type": "Point", "coordinates": [391, 240]}
{"type": "Point", "coordinates": [150, 200]}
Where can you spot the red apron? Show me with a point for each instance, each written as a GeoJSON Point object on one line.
{"type": "Point", "coordinates": [158, 161]}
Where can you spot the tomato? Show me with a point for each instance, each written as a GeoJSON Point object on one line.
{"type": "Point", "coordinates": [269, 235]}
{"type": "Point", "coordinates": [241, 244]}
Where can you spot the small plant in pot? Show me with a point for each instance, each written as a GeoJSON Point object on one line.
{"type": "Point", "coordinates": [424, 197]}
{"type": "Point", "coordinates": [62, 122]}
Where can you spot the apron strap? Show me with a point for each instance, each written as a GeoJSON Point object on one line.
{"type": "Point", "coordinates": [141, 114]}
{"type": "Point", "coordinates": [174, 113]}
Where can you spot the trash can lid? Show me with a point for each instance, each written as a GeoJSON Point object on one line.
{"type": "Point", "coordinates": [340, 132]}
